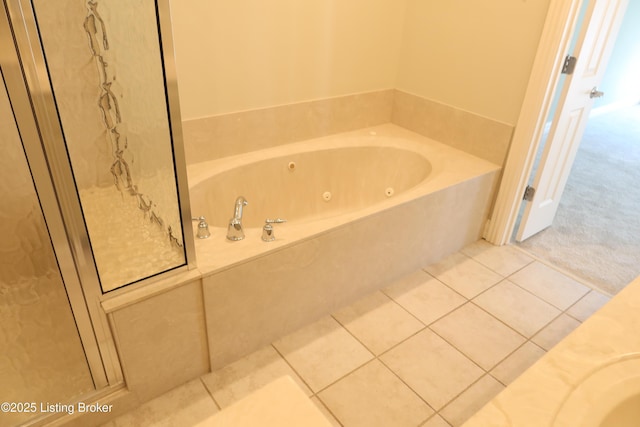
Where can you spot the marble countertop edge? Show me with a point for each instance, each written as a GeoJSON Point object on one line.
{"type": "Point", "coordinates": [534, 398]}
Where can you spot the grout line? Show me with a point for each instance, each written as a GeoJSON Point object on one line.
{"type": "Point", "coordinates": [404, 309]}
{"type": "Point", "coordinates": [528, 341]}
{"type": "Point", "coordinates": [215, 402]}
{"type": "Point", "coordinates": [435, 411]}
{"type": "Point", "coordinates": [499, 273]}
{"type": "Point", "coordinates": [467, 301]}
{"type": "Point", "coordinates": [562, 271]}
{"type": "Point", "coordinates": [499, 320]}
{"type": "Point", "coordinates": [533, 259]}
{"type": "Point", "coordinates": [489, 288]}
{"type": "Point", "coordinates": [569, 275]}
{"type": "Point", "coordinates": [548, 302]}
{"type": "Point", "coordinates": [457, 292]}
{"type": "Point", "coordinates": [581, 298]}
{"type": "Point", "coordinates": [378, 357]}
{"type": "Point", "coordinates": [324, 405]}
{"type": "Point", "coordinates": [459, 350]}
{"type": "Point", "coordinates": [433, 416]}
{"type": "Point", "coordinates": [402, 342]}
{"type": "Point", "coordinates": [464, 391]}
{"type": "Point", "coordinates": [300, 377]}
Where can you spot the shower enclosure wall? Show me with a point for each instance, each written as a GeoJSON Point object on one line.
{"type": "Point", "coordinates": [93, 190]}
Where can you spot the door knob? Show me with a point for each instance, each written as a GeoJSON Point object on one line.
{"type": "Point", "coordinates": [595, 93]}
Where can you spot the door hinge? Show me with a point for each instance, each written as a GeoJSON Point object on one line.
{"type": "Point", "coordinates": [529, 192]}
{"type": "Point", "coordinates": [569, 64]}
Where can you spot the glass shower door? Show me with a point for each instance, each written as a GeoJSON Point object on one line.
{"type": "Point", "coordinates": [42, 359]}
{"type": "Point", "coordinates": [88, 107]}
{"type": "Point", "coordinates": [108, 77]}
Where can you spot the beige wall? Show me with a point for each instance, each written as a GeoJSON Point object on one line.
{"type": "Point", "coordinates": [242, 55]}
{"type": "Point", "coordinates": [236, 56]}
{"type": "Point", "coordinates": [475, 56]}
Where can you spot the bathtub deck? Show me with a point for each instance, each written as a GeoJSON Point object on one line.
{"type": "Point", "coordinates": [262, 291]}
{"type": "Point", "coordinates": [216, 253]}
{"type": "Point", "coordinates": [359, 364]}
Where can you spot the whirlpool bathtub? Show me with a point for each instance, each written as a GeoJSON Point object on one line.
{"type": "Point", "coordinates": [362, 208]}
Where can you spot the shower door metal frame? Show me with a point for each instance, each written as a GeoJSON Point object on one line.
{"type": "Point", "coordinates": [40, 125]}
{"type": "Point", "coordinates": [93, 339]}
{"type": "Point", "coordinates": [23, 21]}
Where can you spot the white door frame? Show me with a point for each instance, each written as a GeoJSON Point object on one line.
{"type": "Point", "coordinates": [595, 42]}
{"type": "Point", "coordinates": [553, 47]}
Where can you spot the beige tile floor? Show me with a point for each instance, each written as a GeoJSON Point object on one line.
{"type": "Point", "coordinates": [428, 350]}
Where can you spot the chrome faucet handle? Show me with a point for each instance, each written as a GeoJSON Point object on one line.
{"type": "Point", "coordinates": [203, 227]}
{"type": "Point", "coordinates": [267, 230]}
{"type": "Point", "coordinates": [274, 221]}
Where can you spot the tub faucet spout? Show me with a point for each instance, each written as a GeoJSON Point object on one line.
{"type": "Point", "coordinates": [235, 231]}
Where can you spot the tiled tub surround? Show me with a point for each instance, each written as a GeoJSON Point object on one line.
{"type": "Point", "coordinates": [214, 137]}
{"type": "Point", "coordinates": [209, 138]}
{"type": "Point", "coordinates": [428, 350]}
{"type": "Point", "coordinates": [483, 137]}
{"type": "Point", "coordinates": [254, 292]}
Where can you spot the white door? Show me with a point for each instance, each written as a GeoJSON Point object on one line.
{"type": "Point", "coordinates": [593, 49]}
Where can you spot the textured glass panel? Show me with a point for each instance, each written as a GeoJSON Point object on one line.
{"type": "Point", "coordinates": [41, 356]}
{"type": "Point", "coordinates": [106, 69]}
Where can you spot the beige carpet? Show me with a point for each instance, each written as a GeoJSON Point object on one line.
{"type": "Point", "coordinates": [596, 232]}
